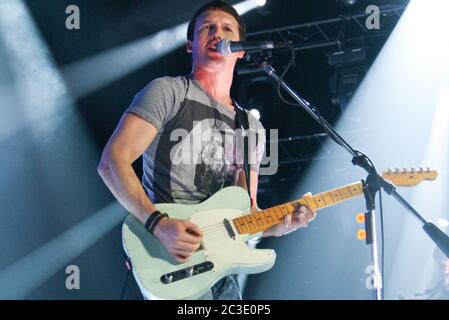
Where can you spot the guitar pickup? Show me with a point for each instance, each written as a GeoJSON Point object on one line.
{"type": "Point", "coordinates": [229, 229]}
{"type": "Point", "coordinates": [187, 272]}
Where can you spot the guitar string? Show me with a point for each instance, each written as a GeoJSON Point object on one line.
{"type": "Point", "coordinates": [220, 227]}
{"type": "Point", "coordinates": [216, 236]}
{"type": "Point", "coordinates": [215, 232]}
{"type": "Point", "coordinates": [218, 230]}
{"type": "Point", "coordinates": [212, 226]}
{"type": "Point", "coordinates": [220, 224]}
{"type": "Point", "coordinates": [210, 229]}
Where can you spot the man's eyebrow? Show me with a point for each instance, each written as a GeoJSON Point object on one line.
{"type": "Point", "coordinates": [228, 24]}
{"type": "Point", "coordinates": [225, 23]}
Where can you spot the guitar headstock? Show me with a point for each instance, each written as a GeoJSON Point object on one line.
{"type": "Point", "coordinates": [409, 176]}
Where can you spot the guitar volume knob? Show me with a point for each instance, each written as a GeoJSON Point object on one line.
{"type": "Point", "coordinates": [189, 271]}
{"type": "Point", "coordinates": [168, 278]}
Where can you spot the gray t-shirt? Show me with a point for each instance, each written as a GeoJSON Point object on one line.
{"type": "Point", "coordinates": [195, 152]}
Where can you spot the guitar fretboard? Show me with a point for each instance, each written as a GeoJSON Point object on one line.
{"type": "Point", "coordinates": [262, 220]}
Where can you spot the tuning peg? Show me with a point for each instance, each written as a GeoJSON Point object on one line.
{"type": "Point", "coordinates": [428, 169]}
{"type": "Point", "coordinates": [421, 169]}
{"type": "Point", "coordinates": [413, 169]}
{"type": "Point", "coordinates": [397, 170]}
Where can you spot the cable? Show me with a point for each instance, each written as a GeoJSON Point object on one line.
{"type": "Point", "coordinates": [321, 121]}
{"type": "Point", "coordinates": [290, 63]}
{"type": "Point", "coordinates": [315, 110]}
{"type": "Point", "coordinates": [382, 250]}
{"type": "Point", "coordinates": [122, 294]}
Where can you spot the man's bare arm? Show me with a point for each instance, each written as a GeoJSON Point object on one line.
{"type": "Point", "coordinates": [131, 138]}
{"type": "Point", "coordinates": [128, 142]}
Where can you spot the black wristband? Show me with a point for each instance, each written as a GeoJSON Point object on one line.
{"type": "Point", "coordinates": [156, 221]}
{"type": "Point", "coordinates": [153, 220]}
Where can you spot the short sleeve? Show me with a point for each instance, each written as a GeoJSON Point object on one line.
{"type": "Point", "coordinates": [159, 101]}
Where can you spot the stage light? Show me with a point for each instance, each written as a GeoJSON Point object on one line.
{"type": "Point", "coordinates": [255, 113]}
{"type": "Point", "coordinates": [34, 81]}
{"type": "Point", "coordinates": [18, 280]}
{"type": "Point", "coordinates": [403, 109]}
{"type": "Point", "coordinates": [44, 137]}
{"type": "Point", "coordinates": [260, 3]}
{"type": "Point", "coordinates": [91, 74]}
{"type": "Point", "coordinates": [245, 6]}
{"type": "Point", "coordinates": [442, 223]}
{"type": "Point", "coordinates": [39, 110]}
{"type": "Point", "coordinates": [94, 73]}
{"type": "Point", "coordinates": [347, 3]}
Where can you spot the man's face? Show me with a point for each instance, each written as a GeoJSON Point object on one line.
{"type": "Point", "coordinates": [211, 27]}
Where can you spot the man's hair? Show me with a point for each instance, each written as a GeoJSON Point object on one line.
{"type": "Point", "coordinates": [217, 5]}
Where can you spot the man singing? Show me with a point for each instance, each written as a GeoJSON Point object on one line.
{"type": "Point", "coordinates": [199, 102]}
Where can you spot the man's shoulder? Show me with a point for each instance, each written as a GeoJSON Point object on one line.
{"type": "Point", "coordinates": [168, 81]}
{"type": "Point", "coordinates": [165, 86]}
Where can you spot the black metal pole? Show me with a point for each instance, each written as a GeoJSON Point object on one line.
{"type": "Point", "coordinates": [374, 181]}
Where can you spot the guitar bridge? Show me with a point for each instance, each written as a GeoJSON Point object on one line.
{"type": "Point", "coordinates": [187, 272]}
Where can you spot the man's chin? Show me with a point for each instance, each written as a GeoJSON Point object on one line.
{"type": "Point", "coordinates": [214, 55]}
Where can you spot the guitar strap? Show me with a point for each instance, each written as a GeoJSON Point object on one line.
{"type": "Point", "coordinates": [243, 123]}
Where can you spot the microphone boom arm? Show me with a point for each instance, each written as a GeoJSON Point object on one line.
{"type": "Point", "coordinates": [374, 181]}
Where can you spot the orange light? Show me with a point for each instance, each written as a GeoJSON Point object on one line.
{"type": "Point", "coordinates": [361, 234]}
{"type": "Point", "coordinates": [360, 218]}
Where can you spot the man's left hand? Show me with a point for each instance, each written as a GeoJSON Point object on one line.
{"type": "Point", "coordinates": [300, 218]}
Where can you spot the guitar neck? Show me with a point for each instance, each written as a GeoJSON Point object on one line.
{"type": "Point", "coordinates": [262, 220]}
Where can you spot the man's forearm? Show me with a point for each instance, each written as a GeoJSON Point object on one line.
{"type": "Point", "coordinates": [122, 181]}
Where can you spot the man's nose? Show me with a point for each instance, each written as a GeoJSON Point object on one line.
{"type": "Point", "coordinates": [217, 34]}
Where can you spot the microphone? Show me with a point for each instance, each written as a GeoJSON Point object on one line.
{"type": "Point", "coordinates": [226, 47]}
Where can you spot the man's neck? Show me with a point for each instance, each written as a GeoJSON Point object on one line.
{"type": "Point", "coordinates": [216, 83]}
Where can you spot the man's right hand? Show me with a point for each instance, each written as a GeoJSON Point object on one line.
{"type": "Point", "coordinates": [181, 238]}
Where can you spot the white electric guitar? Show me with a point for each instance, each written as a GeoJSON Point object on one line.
{"type": "Point", "coordinates": [226, 226]}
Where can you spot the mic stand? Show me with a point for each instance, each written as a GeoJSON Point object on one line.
{"type": "Point", "coordinates": [371, 185]}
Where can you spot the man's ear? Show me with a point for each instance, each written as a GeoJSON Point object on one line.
{"type": "Point", "coordinates": [189, 46]}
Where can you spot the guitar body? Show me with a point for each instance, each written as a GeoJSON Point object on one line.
{"type": "Point", "coordinates": [227, 225]}
{"type": "Point", "coordinates": [223, 252]}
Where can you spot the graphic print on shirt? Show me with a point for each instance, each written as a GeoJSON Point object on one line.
{"type": "Point", "coordinates": [209, 151]}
